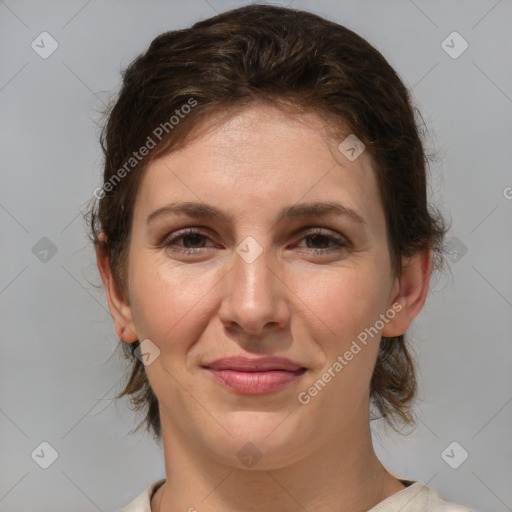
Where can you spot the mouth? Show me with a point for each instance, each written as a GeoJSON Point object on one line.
{"type": "Point", "coordinates": [254, 376]}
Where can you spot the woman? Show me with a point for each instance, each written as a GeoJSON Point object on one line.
{"type": "Point", "coordinates": [264, 239]}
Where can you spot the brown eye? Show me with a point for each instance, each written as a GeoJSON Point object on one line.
{"type": "Point", "coordinates": [194, 239]}
{"type": "Point", "coordinates": [191, 239]}
{"type": "Point", "coordinates": [319, 242]}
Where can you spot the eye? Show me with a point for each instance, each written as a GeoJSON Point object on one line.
{"type": "Point", "coordinates": [319, 237]}
{"type": "Point", "coordinates": [190, 237]}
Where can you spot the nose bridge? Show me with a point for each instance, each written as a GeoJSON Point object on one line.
{"type": "Point", "coordinates": [254, 296]}
{"type": "Point", "coordinates": [252, 277]}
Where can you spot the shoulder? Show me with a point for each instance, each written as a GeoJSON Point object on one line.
{"type": "Point", "coordinates": [418, 497]}
{"type": "Point", "coordinates": [142, 503]}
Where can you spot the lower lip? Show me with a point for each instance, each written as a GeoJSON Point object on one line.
{"type": "Point", "coordinates": [255, 383]}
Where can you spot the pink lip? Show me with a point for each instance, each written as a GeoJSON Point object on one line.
{"type": "Point", "coordinates": [254, 376]}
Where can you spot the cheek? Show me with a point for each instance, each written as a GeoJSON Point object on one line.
{"type": "Point", "coordinates": [171, 304]}
{"type": "Point", "coordinates": [160, 298]}
{"type": "Point", "coordinates": [345, 307]}
{"type": "Point", "coordinates": [345, 301]}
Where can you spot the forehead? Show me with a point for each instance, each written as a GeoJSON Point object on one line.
{"type": "Point", "coordinates": [258, 160]}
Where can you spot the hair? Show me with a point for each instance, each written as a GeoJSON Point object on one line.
{"type": "Point", "coordinates": [296, 61]}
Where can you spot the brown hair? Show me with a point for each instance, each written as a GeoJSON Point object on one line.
{"type": "Point", "coordinates": [295, 60]}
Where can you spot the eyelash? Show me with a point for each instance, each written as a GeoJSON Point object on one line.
{"type": "Point", "coordinates": [168, 242]}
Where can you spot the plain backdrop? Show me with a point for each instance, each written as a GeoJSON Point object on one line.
{"type": "Point", "coordinates": [56, 382]}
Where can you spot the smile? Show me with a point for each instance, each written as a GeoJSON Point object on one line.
{"type": "Point", "coordinates": [255, 382]}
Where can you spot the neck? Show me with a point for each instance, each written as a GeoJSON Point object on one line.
{"type": "Point", "coordinates": [343, 474]}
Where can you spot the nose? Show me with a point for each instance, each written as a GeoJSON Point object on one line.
{"type": "Point", "coordinates": [255, 298]}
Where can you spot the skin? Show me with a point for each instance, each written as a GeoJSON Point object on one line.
{"type": "Point", "coordinates": [291, 301]}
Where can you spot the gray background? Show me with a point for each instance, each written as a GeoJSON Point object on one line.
{"type": "Point", "coordinates": [56, 382]}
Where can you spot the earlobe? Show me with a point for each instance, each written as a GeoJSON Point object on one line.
{"type": "Point", "coordinates": [125, 334]}
{"type": "Point", "coordinates": [118, 305]}
{"type": "Point", "coordinates": [412, 292]}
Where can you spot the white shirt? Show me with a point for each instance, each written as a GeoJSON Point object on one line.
{"type": "Point", "coordinates": [417, 497]}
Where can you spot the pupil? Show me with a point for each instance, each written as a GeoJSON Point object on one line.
{"type": "Point", "coordinates": [196, 238]}
{"type": "Point", "coordinates": [316, 237]}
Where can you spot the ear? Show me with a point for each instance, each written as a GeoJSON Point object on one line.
{"type": "Point", "coordinates": [409, 292]}
{"type": "Point", "coordinates": [119, 306]}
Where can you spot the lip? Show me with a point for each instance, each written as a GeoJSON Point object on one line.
{"type": "Point", "coordinates": [254, 376]}
{"type": "Point", "coordinates": [258, 364]}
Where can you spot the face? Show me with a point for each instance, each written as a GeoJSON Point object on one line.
{"type": "Point", "coordinates": [241, 279]}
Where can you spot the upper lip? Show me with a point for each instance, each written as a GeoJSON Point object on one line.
{"type": "Point", "coordinates": [260, 364]}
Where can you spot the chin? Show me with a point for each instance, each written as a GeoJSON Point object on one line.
{"type": "Point", "coordinates": [259, 441]}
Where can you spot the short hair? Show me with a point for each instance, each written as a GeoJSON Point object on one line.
{"type": "Point", "coordinates": [299, 62]}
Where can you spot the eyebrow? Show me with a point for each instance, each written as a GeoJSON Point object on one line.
{"type": "Point", "coordinates": [296, 211]}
